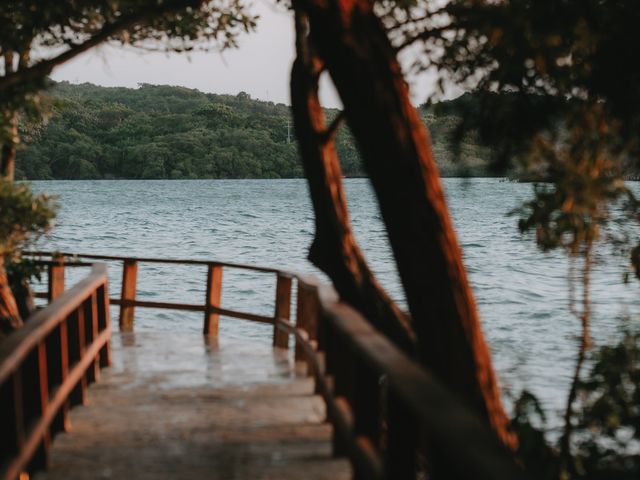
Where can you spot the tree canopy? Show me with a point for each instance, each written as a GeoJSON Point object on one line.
{"type": "Point", "coordinates": [173, 132]}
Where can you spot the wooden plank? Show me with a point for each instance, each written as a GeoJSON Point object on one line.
{"type": "Point", "coordinates": [212, 300]}
{"type": "Point", "coordinates": [282, 310]}
{"type": "Point", "coordinates": [128, 294]}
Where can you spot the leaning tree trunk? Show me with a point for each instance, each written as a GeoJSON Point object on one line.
{"type": "Point", "coordinates": [351, 41]}
{"type": "Point", "coordinates": [9, 314]}
{"type": "Point", "coordinates": [10, 318]}
{"type": "Point", "coordinates": [334, 249]}
{"type": "Point", "coordinates": [10, 119]}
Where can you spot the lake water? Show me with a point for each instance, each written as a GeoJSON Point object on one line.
{"type": "Point", "coordinates": [521, 292]}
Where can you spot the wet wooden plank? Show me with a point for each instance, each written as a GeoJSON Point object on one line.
{"type": "Point", "coordinates": [178, 406]}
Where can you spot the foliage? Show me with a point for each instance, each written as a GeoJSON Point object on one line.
{"type": "Point", "coordinates": [36, 36]}
{"type": "Point", "coordinates": [556, 93]}
{"type": "Point", "coordinates": [556, 96]}
{"type": "Point", "coordinates": [24, 216]}
{"type": "Point", "coordinates": [609, 415]}
{"type": "Point", "coordinates": [173, 132]}
{"type": "Point", "coordinates": [607, 421]}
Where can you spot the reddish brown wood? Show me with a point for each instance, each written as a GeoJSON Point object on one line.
{"type": "Point", "coordinates": [39, 427]}
{"type": "Point", "coordinates": [352, 42]}
{"type": "Point", "coordinates": [306, 315]}
{"type": "Point", "coordinates": [9, 313]}
{"type": "Point", "coordinates": [10, 125]}
{"type": "Point", "coordinates": [56, 279]}
{"type": "Point", "coordinates": [129, 280]}
{"type": "Point", "coordinates": [168, 261]}
{"type": "Point", "coordinates": [58, 369]}
{"type": "Point", "coordinates": [334, 249]}
{"type": "Point", "coordinates": [41, 458]}
{"type": "Point", "coordinates": [212, 299]}
{"type": "Point", "coordinates": [77, 337]}
{"type": "Point", "coordinates": [35, 381]}
{"type": "Point", "coordinates": [282, 310]}
{"type": "Point", "coordinates": [12, 433]}
{"type": "Point", "coordinates": [104, 323]}
{"type": "Point", "coordinates": [366, 407]}
{"type": "Point", "coordinates": [91, 332]}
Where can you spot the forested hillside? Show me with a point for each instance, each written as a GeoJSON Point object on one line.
{"type": "Point", "coordinates": [173, 132]}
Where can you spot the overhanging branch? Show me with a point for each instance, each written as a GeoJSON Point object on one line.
{"type": "Point", "coordinates": [44, 67]}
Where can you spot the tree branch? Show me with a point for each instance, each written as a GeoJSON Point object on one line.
{"type": "Point", "coordinates": [44, 68]}
{"type": "Point", "coordinates": [330, 133]}
{"type": "Point", "coordinates": [334, 249]}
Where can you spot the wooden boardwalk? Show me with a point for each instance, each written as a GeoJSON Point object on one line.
{"type": "Point", "coordinates": [175, 406]}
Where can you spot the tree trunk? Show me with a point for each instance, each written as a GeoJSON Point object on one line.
{"type": "Point", "coordinates": [334, 249]}
{"type": "Point", "coordinates": [9, 314]}
{"type": "Point", "coordinates": [394, 144]}
{"type": "Point", "coordinates": [9, 118]}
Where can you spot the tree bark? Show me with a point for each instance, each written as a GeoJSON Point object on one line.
{"type": "Point", "coordinates": [10, 118]}
{"type": "Point", "coordinates": [9, 314]}
{"type": "Point", "coordinates": [334, 249]}
{"type": "Point", "coordinates": [394, 144]}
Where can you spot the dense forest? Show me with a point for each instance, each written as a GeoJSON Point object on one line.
{"type": "Point", "coordinates": [157, 131]}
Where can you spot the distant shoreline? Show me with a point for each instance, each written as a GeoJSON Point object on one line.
{"type": "Point", "coordinates": [225, 179]}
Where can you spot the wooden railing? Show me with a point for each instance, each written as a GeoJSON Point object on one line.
{"type": "Point", "coordinates": [128, 300]}
{"type": "Point", "coordinates": [45, 368]}
{"type": "Point", "coordinates": [386, 410]}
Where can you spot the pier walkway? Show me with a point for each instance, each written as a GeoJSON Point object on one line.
{"type": "Point", "coordinates": [326, 397]}
{"type": "Point", "coordinates": [180, 407]}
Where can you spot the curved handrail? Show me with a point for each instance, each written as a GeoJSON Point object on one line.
{"type": "Point", "coordinates": [15, 348]}
{"type": "Point", "coordinates": [45, 368]}
{"type": "Point", "coordinates": [355, 366]}
{"type": "Point", "coordinates": [187, 261]}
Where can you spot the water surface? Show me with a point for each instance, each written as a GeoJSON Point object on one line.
{"type": "Point", "coordinates": [521, 292]}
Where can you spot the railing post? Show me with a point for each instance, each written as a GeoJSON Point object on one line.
{"type": "Point", "coordinates": [12, 433]}
{"type": "Point", "coordinates": [76, 340]}
{"type": "Point", "coordinates": [36, 398]}
{"type": "Point", "coordinates": [367, 420]}
{"type": "Point", "coordinates": [213, 294]}
{"type": "Point", "coordinates": [104, 322]}
{"type": "Point", "coordinates": [56, 278]}
{"type": "Point", "coordinates": [402, 441]}
{"type": "Point", "coordinates": [128, 296]}
{"type": "Point", "coordinates": [306, 315]}
{"type": "Point", "coordinates": [58, 361]}
{"type": "Point", "coordinates": [90, 306]}
{"type": "Point", "coordinates": [282, 310]}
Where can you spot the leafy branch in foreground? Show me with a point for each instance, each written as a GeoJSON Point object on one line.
{"type": "Point", "coordinates": [606, 421]}
{"type": "Point", "coordinates": [24, 218]}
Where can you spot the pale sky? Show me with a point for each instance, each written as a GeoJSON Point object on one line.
{"type": "Point", "coordinates": [260, 67]}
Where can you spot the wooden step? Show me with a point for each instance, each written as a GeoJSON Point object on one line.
{"type": "Point", "coordinates": [203, 414]}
